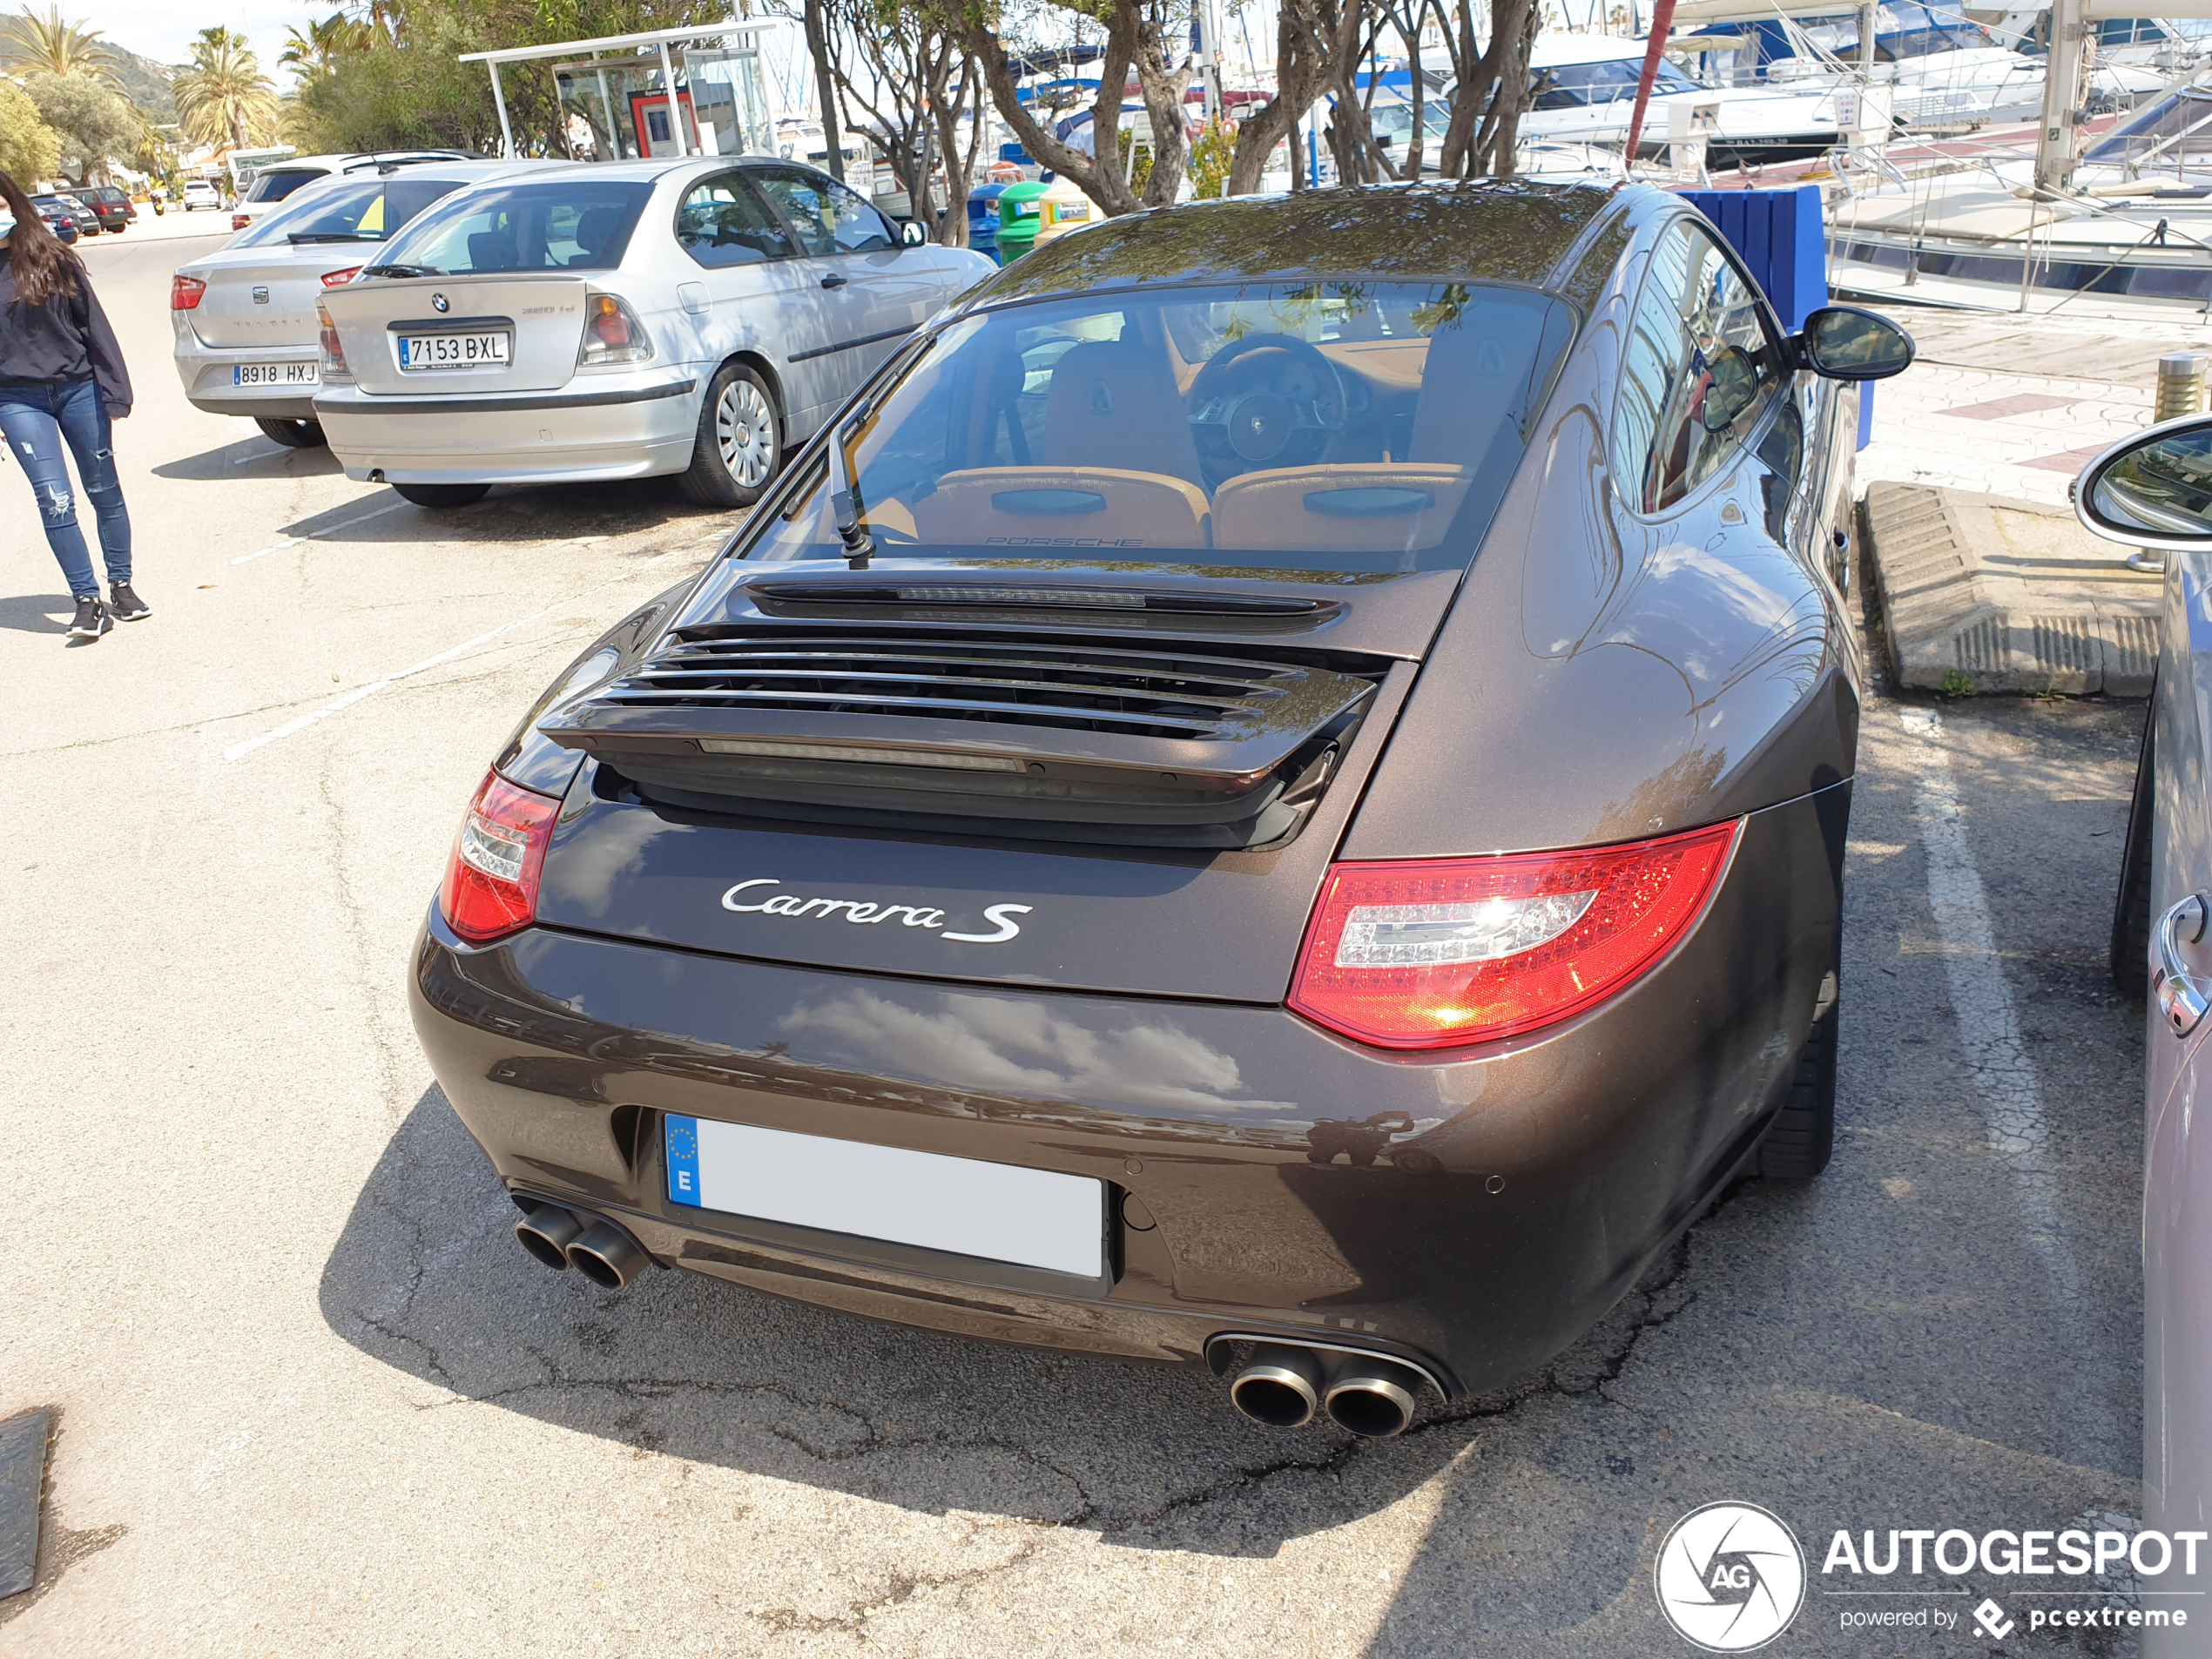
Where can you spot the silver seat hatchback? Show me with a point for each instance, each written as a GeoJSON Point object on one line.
{"type": "Point", "coordinates": [695, 319]}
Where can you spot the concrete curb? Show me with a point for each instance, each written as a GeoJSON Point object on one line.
{"type": "Point", "coordinates": [2012, 596]}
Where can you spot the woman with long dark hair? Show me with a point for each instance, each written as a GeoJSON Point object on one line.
{"type": "Point", "coordinates": [62, 384]}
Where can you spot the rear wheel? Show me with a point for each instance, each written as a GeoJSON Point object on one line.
{"type": "Point", "coordinates": [1803, 1132]}
{"type": "Point", "coordinates": [2131, 910]}
{"type": "Point", "coordinates": [292, 435]}
{"type": "Point", "coordinates": [442, 494]}
{"type": "Point", "coordinates": [739, 443]}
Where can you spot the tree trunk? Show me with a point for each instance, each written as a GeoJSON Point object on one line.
{"type": "Point", "coordinates": [1296, 82]}
{"type": "Point", "coordinates": [1163, 89]}
{"type": "Point", "coordinates": [1099, 174]}
{"type": "Point", "coordinates": [825, 84]}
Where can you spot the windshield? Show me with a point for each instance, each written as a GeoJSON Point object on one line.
{"type": "Point", "coordinates": [279, 182]}
{"type": "Point", "coordinates": [575, 223]}
{"type": "Point", "coordinates": [366, 210]}
{"type": "Point", "coordinates": [1352, 427]}
{"type": "Point", "coordinates": [1571, 86]}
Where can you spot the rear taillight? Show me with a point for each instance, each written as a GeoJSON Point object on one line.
{"type": "Point", "coordinates": [611, 333]}
{"type": "Point", "coordinates": [240, 221]}
{"type": "Point", "coordinates": [184, 292]}
{"type": "Point", "coordinates": [1438, 952]}
{"type": "Point", "coordinates": [339, 279]}
{"type": "Point", "coordinates": [491, 880]}
{"type": "Point", "coordinates": [334, 349]}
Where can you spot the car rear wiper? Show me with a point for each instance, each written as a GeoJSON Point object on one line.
{"type": "Point", "coordinates": [401, 270]}
{"type": "Point", "coordinates": [332, 236]}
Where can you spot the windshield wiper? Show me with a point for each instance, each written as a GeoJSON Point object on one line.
{"type": "Point", "coordinates": [846, 505]}
{"type": "Point", "coordinates": [332, 236]}
{"type": "Point", "coordinates": [401, 270]}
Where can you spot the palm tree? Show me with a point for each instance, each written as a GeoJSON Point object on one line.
{"type": "Point", "coordinates": [53, 45]}
{"type": "Point", "coordinates": [223, 99]}
{"type": "Point", "coordinates": [317, 50]}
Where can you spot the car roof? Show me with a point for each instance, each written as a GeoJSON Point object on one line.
{"type": "Point", "coordinates": [1508, 230]}
{"type": "Point", "coordinates": [357, 158]}
{"type": "Point", "coordinates": [653, 168]}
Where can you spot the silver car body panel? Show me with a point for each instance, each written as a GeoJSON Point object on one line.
{"type": "Point", "coordinates": [818, 327]}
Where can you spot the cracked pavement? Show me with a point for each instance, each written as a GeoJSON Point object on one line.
{"type": "Point", "coordinates": [315, 1399]}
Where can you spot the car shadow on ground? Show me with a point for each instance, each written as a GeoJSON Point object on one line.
{"type": "Point", "coordinates": [426, 1277]}
{"type": "Point", "coordinates": [522, 513]}
{"type": "Point", "coordinates": [37, 613]}
{"type": "Point", "coordinates": [250, 456]}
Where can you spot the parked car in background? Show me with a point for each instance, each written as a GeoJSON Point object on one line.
{"type": "Point", "coordinates": [244, 316]}
{"type": "Point", "coordinates": [87, 222]}
{"type": "Point", "coordinates": [200, 194]}
{"type": "Point", "coordinates": [60, 217]}
{"type": "Point", "coordinates": [2154, 491]}
{"type": "Point", "coordinates": [695, 317]}
{"type": "Point", "coordinates": [107, 204]}
{"type": "Point", "coordinates": [1243, 689]}
{"type": "Point", "coordinates": [275, 183]}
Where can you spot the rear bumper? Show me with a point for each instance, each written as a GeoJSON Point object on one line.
{"type": "Point", "coordinates": [206, 373]}
{"type": "Point", "coordinates": [606, 429]}
{"type": "Point", "coordinates": [1477, 1212]}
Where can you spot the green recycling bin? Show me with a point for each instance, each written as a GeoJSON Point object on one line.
{"type": "Point", "coordinates": [1021, 217]}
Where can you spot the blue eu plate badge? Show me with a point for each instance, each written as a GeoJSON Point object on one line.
{"type": "Point", "coordinates": [681, 1135]}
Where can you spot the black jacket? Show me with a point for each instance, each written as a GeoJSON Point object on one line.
{"type": "Point", "coordinates": [67, 339]}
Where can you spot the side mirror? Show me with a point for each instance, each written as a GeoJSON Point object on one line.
{"type": "Point", "coordinates": [1732, 386]}
{"type": "Point", "coordinates": [913, 233]}
{"type": "Point", "coordinates": [2153, 490]}
{"type": "Point", "coordinates": [1845, 343]}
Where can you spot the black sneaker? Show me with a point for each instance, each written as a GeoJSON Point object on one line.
{"type": "Point", "coordinates": [93, 619]}
{"type": "Point", "coordinates": [126, 605]}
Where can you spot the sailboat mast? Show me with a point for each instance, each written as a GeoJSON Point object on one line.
{"type": "Point", "coordinates": [2055, 137]}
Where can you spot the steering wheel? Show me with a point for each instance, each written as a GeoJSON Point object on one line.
{"type": "Point", "coordinates": [1246, 409]}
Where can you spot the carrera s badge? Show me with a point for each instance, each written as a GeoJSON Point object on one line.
{"type": "Point", "coordinates": [790, 904]}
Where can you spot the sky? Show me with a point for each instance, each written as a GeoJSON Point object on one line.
{"type": "Point", "coordinates": [162, 30]}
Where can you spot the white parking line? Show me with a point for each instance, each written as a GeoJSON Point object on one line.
{"type": "Point", "coordinates": [339, 705]}
{"type": "Point", "coordinates": [328, 530]}
{"type": "Point", "coordinates": [1989, 1030]}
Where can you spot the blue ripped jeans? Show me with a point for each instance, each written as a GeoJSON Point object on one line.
{"type": "Point", "coordinates": [38, 420]}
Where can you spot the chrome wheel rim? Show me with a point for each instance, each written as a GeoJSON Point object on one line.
{"type": "Point", "coordinates": [744, 430]}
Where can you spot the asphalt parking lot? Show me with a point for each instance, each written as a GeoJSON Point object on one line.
{"type": "Point", "coordinates": [313, 1398]}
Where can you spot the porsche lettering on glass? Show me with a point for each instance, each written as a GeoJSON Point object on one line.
{"type": "Point", "coordinates": [1412, 958]}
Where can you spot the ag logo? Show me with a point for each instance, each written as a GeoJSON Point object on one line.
{"type": "Point", "coordinates": [1729, 1577]}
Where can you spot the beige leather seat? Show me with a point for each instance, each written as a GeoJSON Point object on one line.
{"type": "Point", "coordinates": [1113, 403]}
{"type": "Point", "coordinates": [1078, 507]}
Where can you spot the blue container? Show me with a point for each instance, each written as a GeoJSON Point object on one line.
{"type": "Point", "coordinates": [983, 218]}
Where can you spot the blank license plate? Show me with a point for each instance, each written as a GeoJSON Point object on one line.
{"type": "Point", "coordinates": [276, 375]}
{"type": "Point", "coordinates": [998, 1211]}
{"type": "Point", "coordinates": [452, 351]}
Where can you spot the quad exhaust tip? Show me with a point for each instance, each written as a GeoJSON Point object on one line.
{"type": "Point", "coordinates": [600, 1251]}
{"type": "Point", "coordinates": [1286, 1386]}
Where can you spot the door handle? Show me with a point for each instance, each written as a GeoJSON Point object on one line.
{"type": "Point", "coordinates": [835, 281]}
{"type": "Point", "coordinates": [2183, 996]}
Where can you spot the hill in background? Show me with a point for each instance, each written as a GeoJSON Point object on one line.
{"type": "Point", "coordinates": [147, 83]}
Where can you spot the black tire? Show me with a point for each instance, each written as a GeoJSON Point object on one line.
{"type": "Point", "coordinates": [442, 494]}
{"type": "Point", "coordinates": [738, 449]}
{"type": "Point", "coordinates": [1798, 1143]}
{"type": "Point", "coordinates": [2131, 910]}
{"type": "Point", "coordinates": [292, 435]}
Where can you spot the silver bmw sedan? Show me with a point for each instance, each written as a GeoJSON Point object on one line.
{"type": "Point", "coordinates": [245, 314]}
{"type": "Point", "coordinates": [697, 318]}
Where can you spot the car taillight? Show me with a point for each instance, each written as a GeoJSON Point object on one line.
{"type": "Point", "coordinates": [490, 887]}
{"type": "Point", "coordinates": [611, 333]}
{"type": "Point", "coordinates": [184, 292]}
{"type": "Point", "coordinates": [1440, 953]}
{"type": "Point", "coordinates": [240, 221]}
{"type": "Point", "coordinates": [334, 349]}
{"type": "Point", "coordinates": [339, 279]}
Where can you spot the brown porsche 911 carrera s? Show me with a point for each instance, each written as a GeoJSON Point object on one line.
{"type": "Point", "coordinates": [1271, 792]}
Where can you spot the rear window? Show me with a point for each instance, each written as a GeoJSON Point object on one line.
{"type": "Point", "coordinates": [577, 223]}
{"type": "Point", "coordinates": [277, 183]}
{"type": "Point", "coordinates": [1339, 426]}
{"type": "Point", "coordinates": [368, 210]}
